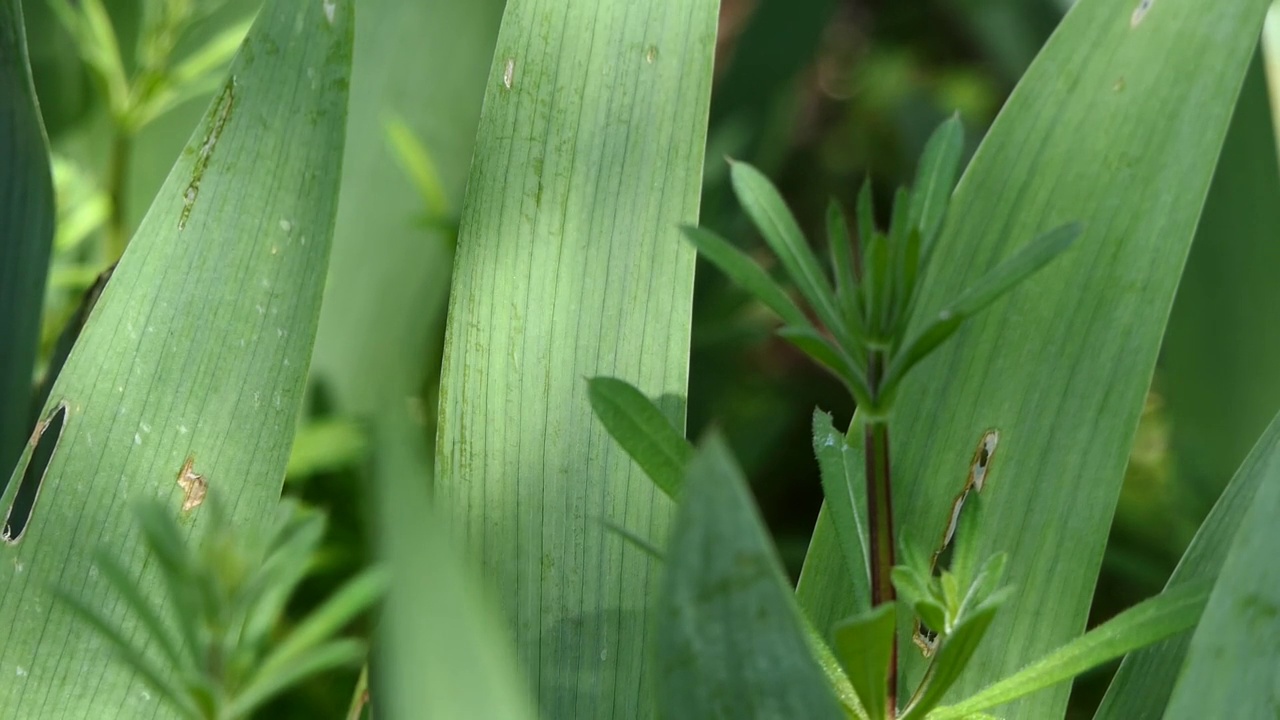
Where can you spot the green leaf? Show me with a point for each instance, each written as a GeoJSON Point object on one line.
{"type": "Point", "coordinates": [730, 639]}
{"type": "Point", "coordinates": [643, 431]}
{"type": "Point", "coordinates": [1146, 678]}
{"type": "Point", "coordinates": [746, 273]}
{"type": "Point", "coordinates": [864, 644]}
{"type": "Point", "coordinates": [353, 598]}
{"type": "Point", "coordinates": [1063, 371]}
{"type": "Point", "coordinates": [1219, 325]}
{"type": "Point", "coordinates": [830, 356]}
{"type": "Point", "coordinates": [1154, 619]}
{"type": "Point", "coordinates": [771, 216]}
{"type": "Point", "coordinates": [334, 654]}
{"type": "Point", "coordinates": [843, 471]}
{"type": "Point", "coordinates": [1232, 659]}
{"type": "Point", "coordinates": [197, 351]}
{"type": "Point", "coordinates": [26, 214]}
{"type": "Point", "coordinates": [841, 247]}
{"type": "Point", "coordinates": [989, 288]}
{"type": "Point", "coordinates": [935, 179]}
{"type": "Point", "coordinates": [952, 658]}
{"type": "Point", "coordinates": [570, 264]}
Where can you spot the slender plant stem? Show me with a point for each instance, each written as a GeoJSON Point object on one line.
{"type": "Point", "coordinates": [117, 177]}
{"type": "Point", "coordinates": [360, 697]}
{"type": "Point", "coordinates": [880, 511]}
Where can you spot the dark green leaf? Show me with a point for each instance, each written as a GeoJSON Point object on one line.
{"type": "Point", "coordinates": [841, 247]}
{"type": "Point", "coordinates": [952, 657]}
{"type": "Point", "coordinates": [830, 356]}
{"type": "Point", "coordinates": [643, 431]}
{"type": "Point", "coordinates": [26, 235]}
{"type": "Point", "coordinates": [730, 640]}
{"type": "Point", "coordinates": [766, 208]}
{"type": "Point", "coordinates": [746, 273]}
{"type": "Point", "coordinates": [864, 644]}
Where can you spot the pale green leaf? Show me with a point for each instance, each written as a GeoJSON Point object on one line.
{"type": "Point", "coordinates": [571, 264]}
{"type": "Point", "coordinates": [747, 273]}
{"type": "Point", "coordinates": [843, 470]}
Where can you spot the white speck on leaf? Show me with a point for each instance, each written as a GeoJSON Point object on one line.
{"type": "Point", "coordinates": [18, 566]}
{"type": "Point", "coordinates": [261, 310]}
{"type": "Point", "coordinates": [286, 226]}
{"type": "Point", "coordinates": [21, 672]}
{"type": "Point", "coordinates": [137, 439]}
{"type": "Point", "coordinates": [330, 8]}
{"type": "Point", "coordinates": [509, 73]}
{"type": "Point", "coordinates": [145, 427]}
{"type": "Point", "coordinates": [146, 696]}
{"type": "Point", "coordinates": [182, 430]}
{"type": "Point", "coordinates": [651, 54]}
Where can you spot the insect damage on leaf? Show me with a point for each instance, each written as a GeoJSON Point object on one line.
{"type": "Point", "coordinates": [193, 485]}
{"type": "Point", "coordinates": [218, 122]}
{"type": "Point", "coordinates": [43, 442]}
{"type": "Point", "coordinates": [924, 637]}
{"type": "Point", "coordinates": [509, 73]}
{"type": "Point", "coordinates": [1140, 12]}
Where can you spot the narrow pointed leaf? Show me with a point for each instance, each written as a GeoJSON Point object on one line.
{"type": "Point", "coordinates": [26, 234]}
{"type": "Point", "coordinates": [570, 264]}
{"type": "Point", "coordinates": [643, 431]}
{"type": "Point", "coordinates": [843, 471]}
{"type": "Point", "coordinates": [1174, 611]}
{"type": "Point", "coordinates": [935, 178]}
{"type": "Point", "coordinates": [951, 659]}
{"type": "Point", "coordinates": [830, 356]}
{"type": "Point", "coordinates": [842, 268]}
{"type": "Point", "coordinates": [746, 273]}
{"type": "Point", "coordinates": [730, 642]}
{"type": "Point", "coordinates": [864, 644]}
{"type": "Point", "coordinates": [766, 208]}
{"type": "Point", "coordinates": [197, 352]}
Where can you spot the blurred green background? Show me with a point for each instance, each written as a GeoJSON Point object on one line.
{"type": "Point", "coordinates": [822, 95]}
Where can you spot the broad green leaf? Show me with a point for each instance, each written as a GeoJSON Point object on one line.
{"type": "Point", "coordinates": [843, 470]}
{"type": "Point", "coordinates": [571, 264]}
{"type": "Point", "coordinates": [864, 644]}
{"type": "Point", "coordinates": [643, 431]}
{"type": "Point", "coordinates": [1098, 132]}
{"type": "Point", "coordinates": [1174, 611]}
{"type": "Point", "coordinates": [194, 358]}
{"type": "Point", "coordinates": [1219, 324]}
{"type": "Point", "coordinates": [26, 234]}
{"type": "Point", "coordinates": [1232, 659]}
{"type": "Point", "coordinates": [746, 273]}
{"type": "Point", "coordinates": [987, 289]}
{"type": "Point", "coordinates": [773, 219]}
{"type": "Point", "coordinates": [1142, 685]}
{"type": "Point", "coordinates": [935, 179]}
{"type": "Point", "coordinates": [730, 641]}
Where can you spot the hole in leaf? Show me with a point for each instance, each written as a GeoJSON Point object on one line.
{"type": "Point", "coordinates": [45, 439]}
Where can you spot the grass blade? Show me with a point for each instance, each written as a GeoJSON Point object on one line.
{"type": "Point", "coordinates": [730, 638]}
{"type": "Point", "coordinates": [601, 110]}
{"type": "Point", "coordinates": [1145, 680]}
{"type": "Point", "coordinates": [26, 216]}
{"type": "Point", "coordinates": [1231, 661]}
{"type": "Point", "coordinates": [643, 431]}
{"type": "Point", "coordinates": [196, 353]}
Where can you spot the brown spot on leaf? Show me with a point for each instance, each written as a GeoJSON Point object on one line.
{"type": "Point", "coordinates": [193, 485]}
